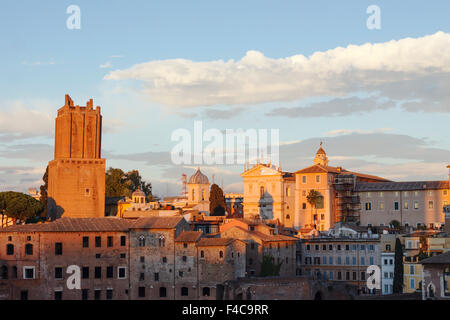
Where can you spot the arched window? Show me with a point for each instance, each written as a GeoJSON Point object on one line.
{"type": "Point", "coordinates": [288, 217]}
{"type": "Point", "coordinates": [4, 272]}
{"type": "Point", "coordinates": [193, 194]}
{"type": "Point", "coordinates": [29, 249]}
{"type": "Point", "coordinates": [141, 241]}
{"type": "Point", "coordinates": [221, 253]}
{"type": "Point", "coordinates": [206, 291]}
{"type": "Point", "coordinates": [163, 292]}
{"type": "Point", "coordinates": [9, 249]}
{"type": "Point", "coordinates": [203, 194]}
{"type": "Point", "coordinates": [162, 241]}
{"type": "Point", "coordinates": [184, 291]}
{"type": "Point", "coordinates": [202, 254]}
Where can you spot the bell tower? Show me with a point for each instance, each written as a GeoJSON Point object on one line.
{"type": "Point", "coordinates": [321, 157]}
{"type": "Point", "coordinates": [76, 181]}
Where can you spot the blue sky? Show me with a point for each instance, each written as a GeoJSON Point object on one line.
{"type": "Point", "coordinates": [41, 60]}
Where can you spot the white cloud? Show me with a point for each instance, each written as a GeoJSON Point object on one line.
{"type": "Point", "coordinates": [22, 119]}
{"type": "Point", "coordinates": [258, 79]}
{"type": "Point", "coordinates": [359, 131]}
{"type": "Point", "coordinates": [106, 65]}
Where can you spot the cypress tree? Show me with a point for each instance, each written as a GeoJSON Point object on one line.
{"type": "Point", "coordinates": [398, 267]}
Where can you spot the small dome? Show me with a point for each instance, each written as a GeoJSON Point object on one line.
{"type": "Point", "coordinates": [198, 178]}
{"type": "Point", "coordinates": [138, 193]}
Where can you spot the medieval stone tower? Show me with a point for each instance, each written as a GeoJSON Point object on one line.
{"type": "Point", "coordinates": [76, 176]}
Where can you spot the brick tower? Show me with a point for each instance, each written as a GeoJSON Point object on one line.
{"type": "Point", "coordinates": [76, 176]}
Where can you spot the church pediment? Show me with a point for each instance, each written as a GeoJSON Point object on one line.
{"type": "Point", "coordinates": [261, 170]}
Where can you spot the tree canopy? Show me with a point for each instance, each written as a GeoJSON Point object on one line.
{"type": "Point", "coordinates": [20, 206]}
{"type": "Point", "coordinates": [44, 196]}
{"type": "Point", "coordinates": [216, 201]}
{"type": "Point", "coordinates": [121, 184]}
{"type": "Point", "coordinates": [269, 268]}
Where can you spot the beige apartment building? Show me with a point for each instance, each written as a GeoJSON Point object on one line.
{"type": "Point", "coordinates": [274, 194]}
{"type": "Point", "coordinates": [410, 203]}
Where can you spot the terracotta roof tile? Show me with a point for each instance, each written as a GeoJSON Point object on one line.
{"type": "Point", "coordinates": [74, 225]}
{"type": "Point", "coordinates": [206, 242]}
{"type": "Point", "coordinates": [157, 222]}
{"type": "Point", "coordinates": [401, 186]}
{"type": "Point", "coordinates": [189, 236]}
{"type": "Point", "coordinates": [443, 258]}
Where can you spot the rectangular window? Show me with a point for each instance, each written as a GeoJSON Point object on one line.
{"type": "Point", "coordinates": [368, 206]}
{"type": "Point", "coordinates": [109, 294]}
{"type": "Point", "coordinates": [330, 260]}
{"type": "Point", "coordinates": [97, 294]}
{"type": "Point", "coordinates": [318, 179]}
{"type": "Point", "coordinates": [406, 205]}
{"type": "Point", "coordinates": [381, 205]}
{"type": "Point", "coordinates": [84, 294]}
{"type": "Point", "coordinates": [416, 205]}
{"type": "Point", "coordinates": [141, 292]}
{"type": "Point", "coordinates": [430, 204]}
{"type": "Point", "coordinates": [411, 269]}
{"type": "Point", "coordinates": [122, 272]}
{"type": "Point", "coordinates": [156, 276]}
{"type": "Point", "coordinates": [58, 273]}
{"type": "Point", "coordinates": [28, 272]}
{"type": "Point", "coordinates": [58, 295]}
{"type": "Point", "coordinates": [109, 272]}
{"type": "Point", "coordinates": [58, 248]}
{"type": "Point", "coordinates": [123, 241]}
{"type": "Point", "coordinates": [98, 242]}
{"type": "Point", "coordinates": [396, 206]}
{"type": "Point", "coordinates": [363, 275]}
{"type": "Point", "coordinates": [85, 272]}
{"type": "Point", "coordinates": [363, 261]}
{"type": "Point", "coordinates": [412, 283]}
{"type": "Point", "coordinates": [85, 242]}
{"type": "Point", "coordinates": [98, 272]}
{"type": "Point", "coordinates": [303, 179]}
{"type": "Point", "coordinates": [110, 241]}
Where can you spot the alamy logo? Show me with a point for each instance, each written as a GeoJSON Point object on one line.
{"type": "Point", "coordinates": [74, 280]}
{"type": "Point", "coordinates": [229, 146]}
{"type": "Point", "coordinates": [374, 278]}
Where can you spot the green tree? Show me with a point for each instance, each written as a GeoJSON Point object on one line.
{"type": "Point", "coordinates": [136, 182]}
{"type": "Point", "coordinates": [121, 184]}
{"type": "Point", "coordinates": [268, 266]}
{"type": "Point", "coordinates": [314, 198]}
{"type": "Point", "coordinates": [117, 184]}
{"type": "Point", "coordinates": [44, 193]}
{"type": "Point", "coordinates": [20, 206]}
{"type": "Point", "coordinates": [398, 267]}
{"type": "Point", "coordinates": [216, 201]}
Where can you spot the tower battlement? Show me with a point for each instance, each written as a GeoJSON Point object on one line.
{"type": "Point", "coordinates": [77, 173]}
